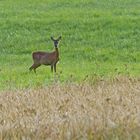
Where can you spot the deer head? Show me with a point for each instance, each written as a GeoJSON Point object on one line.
{"type": "Point", "coordinates": [56, 41]}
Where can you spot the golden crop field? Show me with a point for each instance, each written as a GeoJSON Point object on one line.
{"type": "Point", "coordinates": [108, 109]}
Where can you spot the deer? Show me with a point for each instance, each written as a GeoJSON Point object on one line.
{"type": "Point", "coordinates": [46, 58]}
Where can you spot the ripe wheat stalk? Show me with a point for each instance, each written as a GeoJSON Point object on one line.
{"type": "Point", "coordinates": [72, 111]}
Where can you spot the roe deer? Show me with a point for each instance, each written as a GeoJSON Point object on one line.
{"type": "Point", "coordinates": [46, 58]}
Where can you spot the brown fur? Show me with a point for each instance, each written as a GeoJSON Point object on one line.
{"type": "Point", "coordinates": [46, 58]}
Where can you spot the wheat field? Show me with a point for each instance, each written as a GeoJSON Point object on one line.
{"type": "Point", "coordinates": [107, 109]}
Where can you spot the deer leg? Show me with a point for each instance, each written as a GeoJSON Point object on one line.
{"type": "Point", "coordinates": [55, 67]}
{"type": "Point", "coordinates": [51, 68]}
{"type": "Point", "coordinates": [36, 66]}
{"type": "Point", "coordinates": [32, 67]}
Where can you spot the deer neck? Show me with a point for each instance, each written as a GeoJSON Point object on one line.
{"type": "Point", "coordinates": [57, 52]}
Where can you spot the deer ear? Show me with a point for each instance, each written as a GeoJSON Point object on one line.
{"type": "Point", "coordinates": [59, 38]}
{"type": "Point", "coordinates": [52, 38]}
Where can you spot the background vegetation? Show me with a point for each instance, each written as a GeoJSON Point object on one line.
{"type": "Point", "coordinates": [99, 38]}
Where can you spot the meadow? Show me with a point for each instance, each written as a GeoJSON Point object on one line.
{"type": "Point", "coordinates": [95, 92]}
{"type": "Point", "coordinates": [99, 38]}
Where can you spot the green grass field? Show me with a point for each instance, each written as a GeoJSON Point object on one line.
{"type": "Point", "coordinates": [99, 38]}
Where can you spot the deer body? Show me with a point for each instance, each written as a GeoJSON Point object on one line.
{"type": "Point", "coordinates": [46, 58]}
